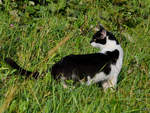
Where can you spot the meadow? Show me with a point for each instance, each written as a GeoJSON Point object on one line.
{"type": "Point", "coordinates": [37, 35]}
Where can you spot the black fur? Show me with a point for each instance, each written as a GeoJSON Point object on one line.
{"type": "Point", "coordinates": [84, 65]}
{"type": "Point", "coordinates": [112, 37]}
{"type": "Point", "coordinates": [80, 65]}
{"type": "Point", "coordinates": [22, 71]}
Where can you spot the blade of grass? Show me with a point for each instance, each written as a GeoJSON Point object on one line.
{"type": "Point", "coordinates": [10, 95]}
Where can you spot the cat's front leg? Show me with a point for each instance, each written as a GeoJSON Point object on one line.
{"type": "Point", "coordinates": [105, 84]}
{"type": "Point", "coordinates": [97, 78]}
{"type": "Point", "coordinates": [89, 81]}
{"type": "Point", "coordinates": [110, 83]}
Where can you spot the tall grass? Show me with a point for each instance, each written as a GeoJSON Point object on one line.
{"type": "Point", "coordinates": [36, 36]}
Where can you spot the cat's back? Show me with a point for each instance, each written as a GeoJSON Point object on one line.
{"type": "Point", "coordinates": [74, 60]}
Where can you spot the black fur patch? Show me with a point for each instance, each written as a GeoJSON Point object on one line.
{"type": "Point", "coordinates": [112, 37]}
{"type": "Point", "coordinates": [22, 71]}
{"type": "Point", "coordinates": [84, 65]}
{"type": "Point", "coordinates": [114, 55]}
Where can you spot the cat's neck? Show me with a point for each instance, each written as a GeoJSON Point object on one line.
{"type": "Point", "coordinates": [104, 50]}
{"type": "Point", "coordinates": [111, 46]}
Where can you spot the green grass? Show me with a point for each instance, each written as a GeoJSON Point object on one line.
{"type": "Point", "coordinates": [28, 33]}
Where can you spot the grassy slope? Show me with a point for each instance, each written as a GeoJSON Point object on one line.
{"type": "Point", "coordinates": [28, 41]}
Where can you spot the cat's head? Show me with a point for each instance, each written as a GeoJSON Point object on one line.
{"type": "Point", "coordinates": [103, 39]}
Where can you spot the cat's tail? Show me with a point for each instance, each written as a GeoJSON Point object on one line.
{"type": "Point", "coordinates": [22, 71]}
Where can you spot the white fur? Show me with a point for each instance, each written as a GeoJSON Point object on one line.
{"type": "Point", "coordinates": [111, 79]}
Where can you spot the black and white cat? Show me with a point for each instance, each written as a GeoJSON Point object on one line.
{"type": "Point", "coordinates": [101, 67]}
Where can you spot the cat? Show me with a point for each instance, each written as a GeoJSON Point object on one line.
{"type": "Point", "coordinates": [103, 66]}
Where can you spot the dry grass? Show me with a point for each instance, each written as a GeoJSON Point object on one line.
{"type": "Point", "coordinates": [9, 97]}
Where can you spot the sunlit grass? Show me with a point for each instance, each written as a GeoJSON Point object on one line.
{"type": "Point", "coordinates": [36, 39]}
